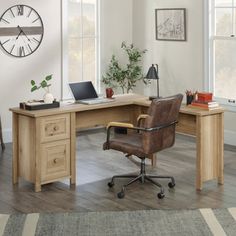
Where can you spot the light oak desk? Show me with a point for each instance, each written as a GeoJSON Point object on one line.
{"type": "Point", "coordinates": [44, 141]}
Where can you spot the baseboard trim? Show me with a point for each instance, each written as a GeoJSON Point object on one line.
{"type": "Point", "coordinates": [230, 136]}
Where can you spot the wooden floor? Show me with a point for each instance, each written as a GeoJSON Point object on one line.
{"type": "Point", "coordinates": [94, 169]}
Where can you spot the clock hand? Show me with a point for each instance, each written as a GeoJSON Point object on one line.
{"type": "Point", "coordinates": [18, 35]}
{"type": "Point", "coordinates": [23, 32]}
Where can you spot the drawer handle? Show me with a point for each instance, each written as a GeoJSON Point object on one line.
{"type": "Point", "coordinates": [55, 128]}
{"type": "Point", "coordinates": [56, 160]}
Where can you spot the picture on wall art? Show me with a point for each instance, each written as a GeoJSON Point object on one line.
{"type": "Point", "coordinates": [171, 24]}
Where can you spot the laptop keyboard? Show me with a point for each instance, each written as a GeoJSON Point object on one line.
{"type": "Point", "coordinates": [96, 101]}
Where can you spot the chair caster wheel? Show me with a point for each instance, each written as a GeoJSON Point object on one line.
{"type": "Point", "coordinates": [160, 195]}
{"type": "Point", "coordinates": [121, 194]}
{"type": "Point", "coordinates": [171, 185]}
{"type": "Point", "coordinates": [110, 184]}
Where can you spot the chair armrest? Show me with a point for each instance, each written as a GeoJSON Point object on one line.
{"type": "Point", "coordinates": [119, 124]}
{"type": "Point", "coordinates": [141, 117]}
{"type": "Point", "coordinates": [130, 126]}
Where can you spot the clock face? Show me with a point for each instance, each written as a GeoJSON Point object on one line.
{"type": "Point", "coordinates": [21, 30]}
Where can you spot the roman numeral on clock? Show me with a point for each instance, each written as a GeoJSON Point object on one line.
{"type": "Point", "coordinates": [20, 10]}
{"type": "Point", "coordinates": [21, 51]}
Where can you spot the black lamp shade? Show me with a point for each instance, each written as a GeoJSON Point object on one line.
{"type": "Point", "coordinates": [152, 72]}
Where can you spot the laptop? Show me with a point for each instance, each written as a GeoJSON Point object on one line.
{"type": "Point", "coordinates": [84, 92]}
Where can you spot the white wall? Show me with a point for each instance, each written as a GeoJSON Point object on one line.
{"type": "Point", "coordinates": [16, 73]}
{"type": "Point", "coordinates": [116, 27]}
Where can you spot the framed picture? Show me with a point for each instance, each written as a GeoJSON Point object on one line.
{"type": "Point", "coordinates": [171, 24]}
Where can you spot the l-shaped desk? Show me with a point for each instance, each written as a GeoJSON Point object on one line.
{"type": "Point", "coordinates": [44, 141]}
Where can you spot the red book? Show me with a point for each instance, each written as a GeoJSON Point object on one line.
{"type": "Point", "coordinates": [204, 97]}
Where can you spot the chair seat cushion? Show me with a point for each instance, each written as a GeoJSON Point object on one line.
{"type": "Point", "coordinates": [127, 143]}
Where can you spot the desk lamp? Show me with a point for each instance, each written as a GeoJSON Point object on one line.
{"type": "Point", "coordinates": [153, 75]}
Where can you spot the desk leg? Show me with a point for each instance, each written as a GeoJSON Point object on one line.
{"type": "Point", "coordinates": [38, 155]}
{"type": "Point", "coordinates": [73, 148]}
{"type": "Point", "coordinates": [199, 143]}
{"type": "Point", "coordinates": [221, 149]}
{"type": "Point", "coordinates": [15, 148]}
{"type": "Point", "coordinates": [153, 158]}
{"type": "Point", "coordinates": [209, 134]}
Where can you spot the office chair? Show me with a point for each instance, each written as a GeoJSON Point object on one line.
{"type": "Point", "coordinates": [155, 131]}
{"type": "Point", "coordinates": [1, 138]}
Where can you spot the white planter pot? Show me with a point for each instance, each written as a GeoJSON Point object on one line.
{"type": "Point", "coordinates": [48, 98]}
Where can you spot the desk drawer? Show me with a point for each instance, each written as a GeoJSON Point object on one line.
{"type": "Point", "coordinates": [55, 161]}
{"type": "Point", "coordinates": [55, 128]}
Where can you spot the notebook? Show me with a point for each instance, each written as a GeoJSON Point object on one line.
{"type": "Point", "coordinates": [84, 92]}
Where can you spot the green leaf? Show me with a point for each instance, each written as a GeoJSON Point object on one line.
{"type": "Point", "coordinates": [32, 82]}
{"type": "Point", "coordinates": [34, 88]}
{"type": "Point", "coordinates": [44, 84]}
{"type": "Point", "coordinates": [49, 77]}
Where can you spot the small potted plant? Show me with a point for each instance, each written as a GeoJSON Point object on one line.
{"type": "Point", "coordinates": [48, 97]}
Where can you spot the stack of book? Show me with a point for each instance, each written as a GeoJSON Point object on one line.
{"type": "Point", "coordinates": [204, 101]}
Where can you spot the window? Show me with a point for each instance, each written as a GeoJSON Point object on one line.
{"type": "Point", "coordinates": [222, 54]}
{"type": "Point", "coordinates": [81, 51]}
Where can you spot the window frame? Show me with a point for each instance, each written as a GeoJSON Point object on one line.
{"type": "Point", "coordinates": [65, 91]}
{"type": "Point", "coordinates": [209, 64]}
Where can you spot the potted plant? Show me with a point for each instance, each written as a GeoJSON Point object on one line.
{"type": "Point", "coordinates": [44, 84]}
{"type": "Point", "coordinates": [126, 76]}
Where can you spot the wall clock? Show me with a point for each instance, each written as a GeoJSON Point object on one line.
{"type": "Point", "coordinates": [21, 31]}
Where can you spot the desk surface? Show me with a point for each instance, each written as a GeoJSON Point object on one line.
{"type": "Point", "coordinates": [120, 100]}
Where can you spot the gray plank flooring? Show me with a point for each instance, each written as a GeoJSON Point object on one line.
{"type": "Point", "coordinates": [94, 169]}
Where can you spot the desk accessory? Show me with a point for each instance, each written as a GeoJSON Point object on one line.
{"type": "Point", "coordinates": [38, 105]}
{"type": "Point", "coordinates": [109, 92]}
{"type": "Point", "coordinates": [48, 97]}
{"type": "Point", "coordinates": [153, 75]}
{"type": "Point", "coordinates": [202, 100]}
{"type": "Point", "coordinates": [21, 31]}
{"type": "Point", "coordinates": [204, 97]}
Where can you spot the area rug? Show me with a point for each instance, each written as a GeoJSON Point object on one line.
{"type": "Point", "coordinates": [126, 223]}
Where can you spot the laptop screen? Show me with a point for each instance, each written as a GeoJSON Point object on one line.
{"type": "Point", "coordinates": [83, 90]}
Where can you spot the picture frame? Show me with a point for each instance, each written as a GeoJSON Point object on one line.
{"type": "Point", "coordinates": [171, 24]}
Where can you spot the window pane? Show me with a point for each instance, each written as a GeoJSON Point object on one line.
{"type": "Point", "coordinates": [223, 3]}
{"type": "Point", "coordinates": [89, 59]}
{"type": "Point", "coordinates": [224, 22]}
{"type": "Point", "coordinates": [225, 68]}
{"type": "Point", "coordinates": [75, 60]}
{"type": "Point", "coordinates": [74, 16]}
{"type": "Point", "coordinates": [89, 9]}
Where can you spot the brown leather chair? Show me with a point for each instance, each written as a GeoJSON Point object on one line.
{"type": "Point", "coordinates": [1, 138]}
{"type": "Point", "coordinates": [154, 132]}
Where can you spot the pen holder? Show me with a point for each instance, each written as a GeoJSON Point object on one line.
{"type": "Point", "coordinates": [189, 99]}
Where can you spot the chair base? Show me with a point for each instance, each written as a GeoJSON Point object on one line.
{"type": "Point", "coordinates": [142, 177]}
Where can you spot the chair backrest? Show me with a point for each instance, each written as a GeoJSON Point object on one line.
{"type": "Point", "coordinates": [162, 111]}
